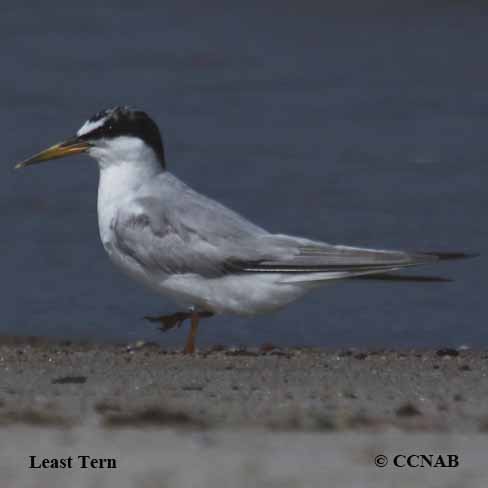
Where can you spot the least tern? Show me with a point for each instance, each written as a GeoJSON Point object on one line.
{"type": "Point", "coordinates": [183, 244]}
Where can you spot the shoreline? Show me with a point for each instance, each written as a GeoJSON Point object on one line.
{"type": "Point", "coordinates": [239, 417]}
{"type": "Point", "coordinates": [279, 389]}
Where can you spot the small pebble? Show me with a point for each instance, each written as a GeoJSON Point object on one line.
{"type": "Point", "coordinates": [408, 410]}
{"type": "Point", "coordinates": [447, 352]}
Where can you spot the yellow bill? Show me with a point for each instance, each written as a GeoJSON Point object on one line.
{"type": "Point", "coordinates": [66, 148]}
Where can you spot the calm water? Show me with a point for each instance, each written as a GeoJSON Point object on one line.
{"type": "Point", "coordinates": [364, 126]}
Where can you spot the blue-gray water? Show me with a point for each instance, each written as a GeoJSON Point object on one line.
{"type": "Point", "coordinates": [363, 124]}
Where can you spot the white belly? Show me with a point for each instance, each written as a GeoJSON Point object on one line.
{"type": "Point", "coordinates": [242, 294]}
{"type": "Point", "coordinates": [246, 294]}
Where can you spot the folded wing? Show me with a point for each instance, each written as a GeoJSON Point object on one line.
{"type": "Point", "coordinates": [180, 231]}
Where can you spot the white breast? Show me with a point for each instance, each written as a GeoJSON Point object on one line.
{"type": "Point", "coordinates": [114, 190]}
{"type": "Point", "coordinates": [126, 164]}
{"type": "Point", "coordinates": [124, 169]}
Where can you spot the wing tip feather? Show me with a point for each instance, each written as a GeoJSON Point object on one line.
{"type": "Point", "coordinates": [450, 256]}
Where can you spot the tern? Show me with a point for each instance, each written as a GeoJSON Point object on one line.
{"type": "Point", "coordinates": [205, 256]}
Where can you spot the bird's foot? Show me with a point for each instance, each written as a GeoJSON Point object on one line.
{"type": "Point", "coordinates": [170, 321]}
{"type": "Point", "coordinates": [175, 320]}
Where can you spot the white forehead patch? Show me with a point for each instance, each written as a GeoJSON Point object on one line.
{"type": "Point", "coordinates": [90, 125]}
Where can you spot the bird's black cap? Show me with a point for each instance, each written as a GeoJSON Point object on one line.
{"type": "Point", "coordinates": [124, 121]}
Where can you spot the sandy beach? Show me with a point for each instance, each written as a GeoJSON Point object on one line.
{"type": "Point", "coordinates": [262, 416]}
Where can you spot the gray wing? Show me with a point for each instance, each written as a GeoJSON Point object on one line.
{"type": "Point", "coordinates": [174, 229]}
{"type": "Point", "coordinates": [171, 228]}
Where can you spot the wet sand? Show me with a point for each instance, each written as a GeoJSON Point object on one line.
{"type": "Point", "coordinates": [266, 416]}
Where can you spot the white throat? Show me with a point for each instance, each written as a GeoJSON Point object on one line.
{"type": "Point", "coordinates": [124, 149]}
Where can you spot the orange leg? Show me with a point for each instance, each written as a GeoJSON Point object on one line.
{"type": "Point", "coordinates": [190, 341]}
{"type": "Point", "coordinates": [175, 320]}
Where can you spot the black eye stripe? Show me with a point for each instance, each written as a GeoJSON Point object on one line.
{"type": "Point", "coordinates": [122, 121]}
{"type": "Point", "coordinates": [97, 133]}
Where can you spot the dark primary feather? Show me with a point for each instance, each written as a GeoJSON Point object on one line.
{"type": "Point", "coordinates": [403, 278]}
{"type": "Point", "coordinates": [348, 259]}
